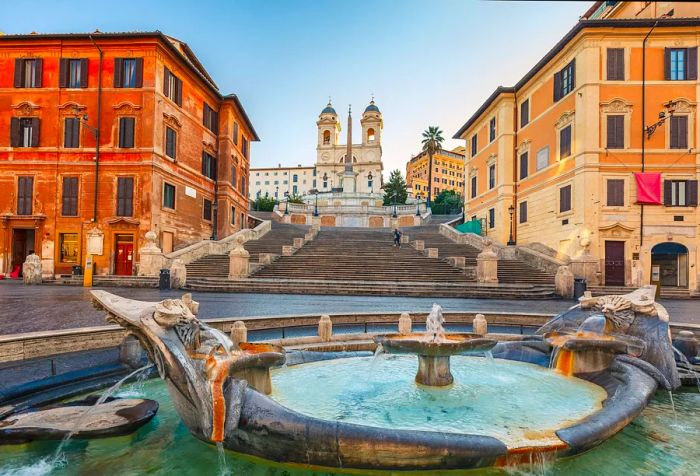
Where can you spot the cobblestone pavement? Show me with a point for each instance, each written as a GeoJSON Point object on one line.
{"type": "Point", "coordinates": [42, 308]}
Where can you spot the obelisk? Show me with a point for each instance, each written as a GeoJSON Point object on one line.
{"type": "Point", "coordinates": [348, 174]}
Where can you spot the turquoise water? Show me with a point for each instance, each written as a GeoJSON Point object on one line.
{"type": "Point", "coordinates": [656, 443]}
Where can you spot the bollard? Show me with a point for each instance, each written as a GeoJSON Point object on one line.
{"type": "Point", "coordinates": [239, 333]}
{"type": "Point", "coordinates": [432, 252]}
{"type": "Point", "coordinates": [298, 242]}
{"type": "Point", "coordinates": [405, 324]}
{"type": "Point", "coordinates": [419, 244]}
{"type": "Point", "coordinates": [325, 328]}
{"type": "Point", "coordinates": [287, 250]}
{"type": "Point", "coordinates": [480, 326]}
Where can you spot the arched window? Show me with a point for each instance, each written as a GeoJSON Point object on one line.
{"type": "Point", "coordinates": [370, 135]}
{"type": "Point", "coordinates": [326, 137]}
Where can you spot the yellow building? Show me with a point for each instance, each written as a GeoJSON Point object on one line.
{"type": "Point", "coordinates": [559, 151]}
{"type": "Point", "coordinates": [448, 172]}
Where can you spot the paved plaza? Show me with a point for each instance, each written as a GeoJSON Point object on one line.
{"type": "Point", "coordinates": [42, 308]}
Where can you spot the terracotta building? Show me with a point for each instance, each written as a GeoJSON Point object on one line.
{"type": "Point", "coordinates": [106, 136]}
{"type": "Point", "coordinates": [448, 172]}
{"type": "Point", "coordinates": [593, 152]}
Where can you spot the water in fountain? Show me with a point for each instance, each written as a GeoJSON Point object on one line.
{"type": "Point", "coordinates": [434, 330]}
{"type": "Point", "coordinates": [688, 366]}
{"type": "Point", "coordinates": [489, 356]}
{"type": "Point", "coordinates": [58, 459]}
{"type": "Point", "coordinates": [224, 470]}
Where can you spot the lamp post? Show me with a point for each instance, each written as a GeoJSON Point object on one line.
{"type": "Point", "coordinates": [286, 203]}
{"type": "Point", "coordinates": [371, 184]}
{"type": "Point", "coordinates": [511, 210]}
{"type": "Point", "coordinates": [316, 205]}
{"type": "Point", "coordinates": [394, 197]}
{"type": "Point", "coordinates": [418, 204]}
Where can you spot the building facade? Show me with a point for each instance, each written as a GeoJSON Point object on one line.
{"type": "Point", "coordinates": [107, 136]}
{"type": "Point", "coordinates": [448, 173]}
{"type": "Point", "coordinates": [557, 158]}
{"type": "Point", "coordinates": [366, 156]}
{"type": "Point", "coordinates": [279, 182]}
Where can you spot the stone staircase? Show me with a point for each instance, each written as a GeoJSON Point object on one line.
{"type": "Point", "coordinates": [509, 271]}
{"type": "Point", "coordinates": [216, 266]}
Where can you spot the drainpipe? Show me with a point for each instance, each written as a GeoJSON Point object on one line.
{"type": "Point", "coordinates": [644, 129]}
{"type": "Point", "coordinates": [97, 132]}
{"type": "Point", "coordinates": [516, 161]}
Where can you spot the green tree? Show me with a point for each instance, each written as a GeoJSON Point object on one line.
{"type": "Point", "coordinates": [264, 204]}
{"type": "Point", "coordinates": [395, 185]}
{"type": "Point", "coordinates": [295, 198]}
{"type": "Point", "coordinates": [432, 143]}
{"type": "Point", "coordinates": [447, 202]}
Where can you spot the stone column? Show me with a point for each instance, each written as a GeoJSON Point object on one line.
{"type": "Point", "coordinates": [238, 261]}
{"type": "Point", "coordinates": [564, 282]}
{"type": "Point", "coordinates": [325, 328]}
{"type": "Point", "coordinates": [239, 333]}
{"type": "Point", "coordinates": [479, 325]}
{"type": "Point", "coordinates": [487, 264]}
{"type": "Point", "coordinates": [31, 269]}
{"type": "Point", "coordinates": [151, 258]}
{"type": "Point", "coordinates": [178, 274]}
{"type": "Point", "coordinates": [405, 324]}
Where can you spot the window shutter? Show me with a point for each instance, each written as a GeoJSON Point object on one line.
{"type": "Point", "coordinates": [691, 193]}
{"type": "Point", "coordinates": [683, 132]}
{"type": "Point", "coordinates": [129, 133]}
{"type": "Point", "coordinates": [139, 73]}
{"type": "Point", "coordinates": [667, 193]}
{"type": "Point", "coordinates": [178, 91]}
{"type": "Point", "coordinates": [573, 73]}
{"type": "Point", "coordinates": [611, 133]}
{"type": "Point", "coordinates": [67, 138]}
{"type": "Point", "coordinates": [667, 64]}
{"type": "Point", "coordinates": [39, 69]}
{"type": "Point", "coordinates": [63, 73]}
{"type": "Point", "coordinates": [35, 132]}
{"type": "Point", "coordinates": [118, 67]}
{"type": "Point", "coordinates": [166, 81]}
{"type": "Point", "coordinates": [204, 163]}
{"type": "Point", "coordinates": [215, 122]}
{"type": "Point", "coordinates": [692, 63]}
{"type": "Point", "coordinates": [14, 132]}
{"type": "Point", "coordinates": [19, 72]}
{"type": "Point", "coordinates": [673, 133]}
{"type": "Point", "coordinates": [130, 196]}
{"type": "Point", "coordinates": [557, 86]}
{"type": "Point", "coordinates": [611, 64]}
{"type": "Point", "coordinates": [620, 131]}
{"type": "Point", "coordinates": [84, 73]}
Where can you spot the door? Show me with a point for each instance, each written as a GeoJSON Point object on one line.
{"type": "Point", "coordinates": [22, 246]}
{"type": "Point", "coordinates": [125, 256]}
{"type": "Point", "coordinates": [614, 263]}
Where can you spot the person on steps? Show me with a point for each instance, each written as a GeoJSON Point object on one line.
{"type": "Point", "coordinates": [397, 237]}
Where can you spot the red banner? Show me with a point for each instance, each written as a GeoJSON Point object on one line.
{"type": "Point", "coordinates": [648, 188]}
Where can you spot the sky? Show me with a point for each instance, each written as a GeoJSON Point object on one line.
{"type": "Point", "coordinates": [430, 62]}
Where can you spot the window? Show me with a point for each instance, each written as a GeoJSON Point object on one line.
{"type": "Point", "coordinates": [206, 210]}
{"type": "Point", "coordinates": [616, 132]}
{"type": "Point", "coordinates": [492, 217]}
{"type": "Point", "coordinates": [616, 192]}
{"type": "Point", "coordinates": [474, 145]}
{"type": "Point", "coordinates": [69, 197]}
{"type": "Point", "coordinates": [243, 184]}
{"type": "Point", "coordinates": [680, 64]}
{"type": "Point", "coordinates": [473, 186]}
{"type": "Point", "coordinates": [71, 133]}
{"type": "Point", "coordinates": [170, 142]}
{"type": "Point", "coordinates": [565, 199]}
{"type": "Point", "coordinates": [126, 132]}
{"type": "Point", "coordinates": [524, 113]}
{"type": "Point", "coordinates": [565, 81]}
{"type": "Point", "coordinates": [492, 176]}
{"type": "Point", "coordinates": [73, 73]}
{"type": "Point", "coordinates": [125, 196]}
{"type": "Point", "coordinates": [565, 142]}
{"type": "Point", "coordinates": [679, 132]}
{"type": "Point", "coordinates": [68, 252]}
{"type": "Point", "coordinates": [208, 166]}
{"type": "Point", "coordinates": [294, 190]}
{"type": "Point", "coordinates": [492, 129]}
{"type": "Point", "coordinates": [616, 64]}
{"type": "Point", "coordinates": [25, 186]}
{"type": "Point", "coordinates": [172, 87]}
{"type": "Point", "coordinates": [370, 135]}
{"type": "Point", "coordinates": [542, 158]}
{"type": "Point", "coordinates": [524, 158]}
{"type": "Point", "coordinates": [234, 176]}
{"type": "Point", "coordinates": [522, 215]}
{"type": "Point", "coordinates": [326, 137]}
{"type": "Point", "coordinates": [24, 132]}
{"type": "Point", "coordinates": [128, 72]}
{"type": "Point", "coordinates": [235, 133]}
{"type": "Point", "coordinates": [233, 214]}
{"type": "Point", "coordinates": [210, 119]}
{"type": "Point", "coordinates": [244, 146]}
{"type": "Point", "coordinates": [28, 73]}
{"type": "Point", "coordinates": [169, 196]}
{"type": "Point", "coordinates": [681, 193]}
{"type": "Point", "coordinates": [295, 178]}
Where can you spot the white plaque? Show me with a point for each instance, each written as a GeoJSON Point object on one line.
{"type": "Point", "coordinates": [190, 192]}
{"type": "Point", "coordinates": [95, 240]}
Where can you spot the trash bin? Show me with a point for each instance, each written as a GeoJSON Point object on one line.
{"type": "Point", "coordinates": [77, 270]}
{"type": "Point", "coordinates": [164, 279]}
{"type": "Point", "coordinates": [579, 287]}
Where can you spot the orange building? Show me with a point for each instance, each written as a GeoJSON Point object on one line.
{"type": "Point", "coordinates": [110, 135]}
{"type": "Point", "coordinates": [554, 158]}
{"type": "Point", "coordinates": [448, 172]}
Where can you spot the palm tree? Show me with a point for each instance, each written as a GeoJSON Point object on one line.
{"type": "Point", "coordinates": [432, 143]}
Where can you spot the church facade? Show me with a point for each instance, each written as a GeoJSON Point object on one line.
{"type": "Point", "coordinates": [366, 155]}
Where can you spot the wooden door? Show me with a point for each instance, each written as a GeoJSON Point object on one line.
{"type": "Point", "coordinates": [614, 263]}
{"type": "Point", "coordinates": [125, 259]}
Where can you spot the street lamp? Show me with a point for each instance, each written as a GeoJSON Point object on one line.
{"type": "Point", "coordinates": [418, 204]}
{"type": "Point", "coordinates": [511, 210]}
{"type": "Point", "coordinates": [394, 197]}
{"type": "Point", "coordinates": [286, 204]}
{"type": "Point", "coordinates": [371, 184]}
{"type": "Point", "coordinates": [316, 205]}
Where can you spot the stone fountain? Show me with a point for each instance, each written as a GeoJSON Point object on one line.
{"type": "Point", "coordinates": [434, 348]}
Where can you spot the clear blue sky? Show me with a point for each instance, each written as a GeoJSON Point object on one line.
{"type": "Point", "coordinates": [430, 62]}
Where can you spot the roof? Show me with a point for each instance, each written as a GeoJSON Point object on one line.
{"type": "Point", "coordinates": [177, 47]}
{"type": "Point", "coordinates": [372, 107]}
{"type": "Point", "coordinates": [328, 109]}
{"type": "Point", "coordinates": [581, 25]}
{"type": "Point", "coordinates": [442, 152]}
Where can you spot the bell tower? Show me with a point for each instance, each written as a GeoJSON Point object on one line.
{"type": "Point", "coordinates": [372, 125]}
{"type": "Point", "coordinates": [328, 128]}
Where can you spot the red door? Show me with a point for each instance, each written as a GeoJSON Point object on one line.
{"type": "Point", "coordinates": [614, 263]}
{"type": "Point", "coordinates": [125, 259]}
